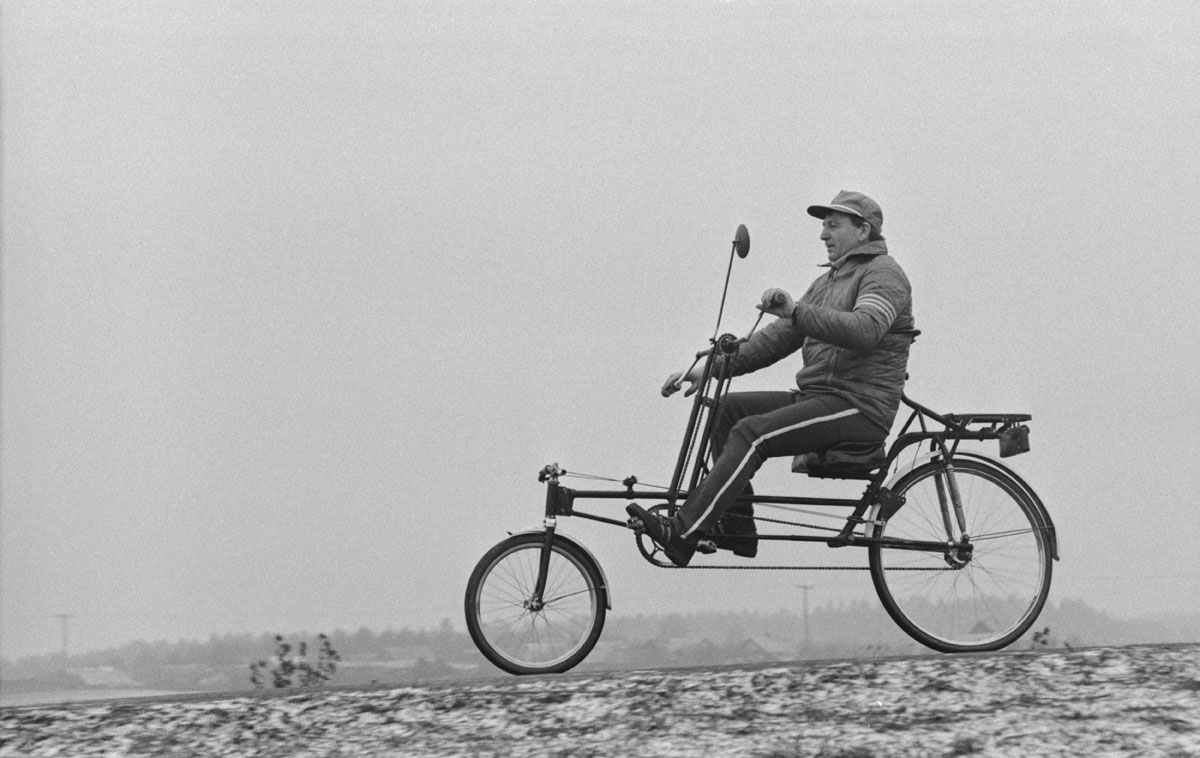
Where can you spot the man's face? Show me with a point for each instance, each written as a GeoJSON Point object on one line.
{"type": "Point", "coordinates": [840, 235]}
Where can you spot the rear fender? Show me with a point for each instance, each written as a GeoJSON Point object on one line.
{"type": "Point", "coordinates": [566, 538]}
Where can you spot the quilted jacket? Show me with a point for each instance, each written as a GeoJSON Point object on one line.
{"type": "Point", "coordinates": [854, 326]}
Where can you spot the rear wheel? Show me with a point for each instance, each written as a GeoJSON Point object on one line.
{"type": "Point", "coordinates": [523, 634]}
{"type": "Point", "coordinates": [978, 593]}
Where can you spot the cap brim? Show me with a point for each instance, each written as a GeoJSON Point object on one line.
{"type": "Point", "coordinates": [821, 211]}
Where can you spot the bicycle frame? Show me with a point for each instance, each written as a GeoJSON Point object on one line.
{"type": "Point", "coordinates": [944, 442]}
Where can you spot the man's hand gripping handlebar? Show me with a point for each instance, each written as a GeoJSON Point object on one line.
{"type": "Point", "coordinates": [675, 381]}
{"type": "Point", "coordinates": [775, 301]}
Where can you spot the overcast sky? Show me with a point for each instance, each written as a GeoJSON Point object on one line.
{"type": "Point", "coordinates": [298, 297]}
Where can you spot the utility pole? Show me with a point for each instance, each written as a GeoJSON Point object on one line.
{"type": "Point", "coordinates": [807, 631]}
{"type": "Point", "coordinates": [63, 618]}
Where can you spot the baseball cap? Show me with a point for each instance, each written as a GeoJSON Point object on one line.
{"type": "Point", "coordinates": [854, 203]}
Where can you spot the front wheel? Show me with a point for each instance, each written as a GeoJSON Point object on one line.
{"type": "Point", "coordinates": [525, 634]}
{"type": "Point", "coordinates": [977, 593]}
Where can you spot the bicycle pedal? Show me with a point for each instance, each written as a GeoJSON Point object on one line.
{"type": "Point", "coordinates": [706, 546]}
{"type": "Point", "coordinates": [635, 524]}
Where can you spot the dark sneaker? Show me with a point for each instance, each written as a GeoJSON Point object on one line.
{"type": "Point", "coordinates": [745, 545]}
{"type": "Point", "coordinates": [735, 531]}
{"type": "Point", "coordinates": [664, 534]}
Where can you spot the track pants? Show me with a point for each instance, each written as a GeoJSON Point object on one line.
{"type": "Point", "coordinates": [753, 426]}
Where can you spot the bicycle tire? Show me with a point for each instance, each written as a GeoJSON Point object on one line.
{"type": "Point", "coordinates": [552, 639]}
{"type": "Point", "coordinates": [985, 602]}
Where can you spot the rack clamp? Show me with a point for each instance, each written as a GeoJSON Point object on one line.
{"type": "Point", "coordinates": [889, 503]}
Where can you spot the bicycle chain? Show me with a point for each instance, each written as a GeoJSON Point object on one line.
{"type": "Point", "coordinates": [799, 524]}
{"type": "Point", "coordinates": [764, 568]}
{"type": "Point", "coordinates": [728, 567]}
{"type": "Point", "coordinates": [731, 567]}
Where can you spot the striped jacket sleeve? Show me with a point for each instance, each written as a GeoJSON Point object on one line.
{"type": "Point", "coordinates": [883, 295]}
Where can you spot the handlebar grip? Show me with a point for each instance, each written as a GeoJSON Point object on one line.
{"type": "Point", "coordinates": [777, 298]}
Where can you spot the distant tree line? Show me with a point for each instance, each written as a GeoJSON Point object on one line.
{"type": "Point", "coordinates": [845, 629]}
{"type": "Point", "coordinates": [154, 663]}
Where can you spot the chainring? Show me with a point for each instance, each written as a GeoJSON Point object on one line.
{"type": "Point", "coordinates": [646, 546]}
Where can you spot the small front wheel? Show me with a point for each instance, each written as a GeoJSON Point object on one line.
{"type": "Point", "coordinates": [974, 594]}
{"type": "Point", "coordinates": [525, 634]}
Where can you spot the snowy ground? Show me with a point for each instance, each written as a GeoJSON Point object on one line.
{"type": "Point", "coordinates": [1096, 702]}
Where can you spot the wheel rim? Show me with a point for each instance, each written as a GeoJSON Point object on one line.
{"type": "Point", "coordinates": [984, 597]}
{"type": "Point", "coordinates": [531, 635]}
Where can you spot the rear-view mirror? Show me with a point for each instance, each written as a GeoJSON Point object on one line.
{"type": "Point", "coordinates": [741, 241]}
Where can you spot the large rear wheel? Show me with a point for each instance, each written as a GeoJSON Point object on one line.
{"type": "Point", "coordinates": [978, 592]}
{"type": "Point", "coordinates": [525, 634]}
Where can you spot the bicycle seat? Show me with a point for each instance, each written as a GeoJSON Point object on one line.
{"type": "Point", "coordinates": [849, 460]}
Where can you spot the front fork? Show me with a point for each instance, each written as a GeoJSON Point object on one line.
{"type": "Point", "coordinates": [537, 600]}
{"type": "Point", "coordinates": [549, 475]}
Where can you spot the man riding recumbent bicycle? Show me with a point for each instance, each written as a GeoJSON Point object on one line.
{"type": "Point", "coordinates": [960, 548]}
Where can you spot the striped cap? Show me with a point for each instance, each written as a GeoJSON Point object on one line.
{"type": "Point", "coordinates": [854, 203]}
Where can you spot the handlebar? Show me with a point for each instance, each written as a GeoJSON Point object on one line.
{"type": "Point", "coordinates": [727, 344]}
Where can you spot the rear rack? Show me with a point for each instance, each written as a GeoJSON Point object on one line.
{"type": "Point", "coordinates": [960, 421]}
{"type": "Point", "coordinates": [1002, 419]}
{"type": "Point", "coordinates": [1008, 428]}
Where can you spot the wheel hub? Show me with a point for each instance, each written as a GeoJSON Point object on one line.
{"type": "Point", "coordinates": [959, 556]}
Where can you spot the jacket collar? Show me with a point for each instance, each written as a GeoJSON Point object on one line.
{"type": "Point", "coordinates": [865, 250]}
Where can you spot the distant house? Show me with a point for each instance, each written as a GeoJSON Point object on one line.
{"type": "Point", "coordinates": [759, 650]}
{"type": "Point", "coordinates": [408, 655]}
{"type": "Point", "coordinates": [104, 676]}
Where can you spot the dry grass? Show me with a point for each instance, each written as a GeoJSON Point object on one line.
{"type": "Point", "coordinates": [1109, 701]}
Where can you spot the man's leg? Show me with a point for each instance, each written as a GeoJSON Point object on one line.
{"type": "Point", "coordinates": [735, 531]}
{"type": "Point", "coordinates": [809, 423]}
{"type": "Point", "coordinates": [735, 407]}
{"type": "Point", "coordinates": [739, 405]}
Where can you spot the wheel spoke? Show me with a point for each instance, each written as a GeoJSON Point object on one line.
{"type": "Point", "coordinates": [566, 595]}
{"type": "Point", "coordinates": [957, 599]}
{"type": "Point", "coordinates": [520, 633]}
